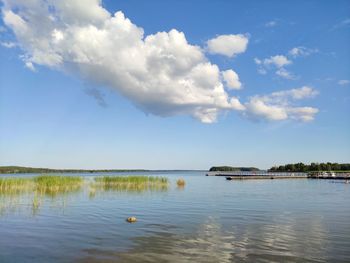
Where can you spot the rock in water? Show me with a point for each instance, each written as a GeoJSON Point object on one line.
{"type": "Point", "coordinates": [131, 219]}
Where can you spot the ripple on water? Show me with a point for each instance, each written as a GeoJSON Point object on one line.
{"type": "Point", "coordinates": [209, 220]}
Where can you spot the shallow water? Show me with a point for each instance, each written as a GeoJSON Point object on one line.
{"type": "Point", "coordinates": [209, 220]}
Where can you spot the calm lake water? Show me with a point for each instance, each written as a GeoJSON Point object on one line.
{"type": "Point", "coordinates": [209, 220]}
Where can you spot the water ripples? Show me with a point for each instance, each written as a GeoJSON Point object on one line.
{"type": "Point", "coordinates": [209, 220]}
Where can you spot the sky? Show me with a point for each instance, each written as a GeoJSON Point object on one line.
{"type": "Point", "coordinates": [174, 84]}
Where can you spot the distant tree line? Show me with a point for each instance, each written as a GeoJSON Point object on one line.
{"type": "Point", "coordinates": [231, 169]}
{"type": "Point", "coordinates": [313, 167]}
{"type": "Point", "coordinates": [20, 169]}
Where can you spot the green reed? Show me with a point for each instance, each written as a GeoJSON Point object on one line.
{"type": "Point", "coordinates": [132, 183]}
{"type": "Point", "coordinates": [13, 185]}
{"type": "Point", "coordinates": [48, 184]}
{"type": "Point", "coordinates": [54, 184]}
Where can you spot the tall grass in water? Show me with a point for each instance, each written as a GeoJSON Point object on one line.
{"type": "Point", "coordinates": [54, 184]}
{"type": "Point", "coordinates": [15, 185]}
{"type": "Point", "coordinates": [44, 184]}
{"type": "Point", "coordinates": [132, 183]}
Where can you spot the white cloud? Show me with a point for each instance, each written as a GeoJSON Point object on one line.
{"type": "Point", "coordinates": [30, 66]}
{"type": "Point", "coordinates": [228, 45]}
{"type": "Point", "coordinates": [343, 82]}
{"type": "Point", "coordinates": [304, 114]}
{"type": "Point", "coordinates": [278, 105]}
{"type": "Point", "coordinates": [257, 61]}
{"type": "Point", "coordinates": [160, 73]}
{"type": "Point", "coordinates": [297, 94]}
{"type": "Point", "coordinates": [282, 72]}
{"type": "Point", "coordinates": [278, 61]}
{"type": "Point", "coordinates": [271, 24]}
{"type": "Point", "coordinates": [258, 107]}
{"type": "Point", "coordinates": [301, 52]}
{"type": "Point", "coordinates": [262, 71]}
{"type": "Point", "coordinates": [231, 79]}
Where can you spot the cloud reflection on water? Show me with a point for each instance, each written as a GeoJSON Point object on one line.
{"type": "Point", "coordinates": [213, 242]}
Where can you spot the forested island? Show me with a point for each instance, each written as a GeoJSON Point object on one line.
{"type": "Point", "coordinates": [294, 167]}
{"type": "Point", "coordinates": [233, 169]}
{"type": "Point", "coordinates": [313, 167]}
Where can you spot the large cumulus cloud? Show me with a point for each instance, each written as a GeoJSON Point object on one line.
{"type": "Point", "coordinates": [161, 73]}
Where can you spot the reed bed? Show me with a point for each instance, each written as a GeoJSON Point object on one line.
{"type": "Point", "coordinates": [47, 184]}
{"type": "Point", "coordinates": [14, 185]}
{"type": "Point", "coordinates": [50, 184]}
{"type": "Point", "coordinates": [55, 184]}
{"type": "Point", "coordinates": [132, 183]}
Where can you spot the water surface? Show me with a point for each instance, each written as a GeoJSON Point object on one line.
{"type": "Point", "coordinates": [209, 220]}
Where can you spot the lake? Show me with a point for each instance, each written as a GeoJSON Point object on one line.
{"type": "Point", "coordinates": [210, 219]}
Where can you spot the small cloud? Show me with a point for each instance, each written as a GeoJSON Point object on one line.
{"type": "Point", "coordinates": [257, 61]}
{"type": "Point", "coordinates": [262, 71]}
{"type": "Point", "coordinates": [343, 23]}
{"type": "Point", "coordinates": [278, 106]}
{"type": "Point", "coordinates": [29, 65]}
{"type": "Point", "coordinates": [301, 51]}
{"type": "Point", "coordinates": [283, 73]}
{"type": "Point", "coordinates": [279, 62]}
{"type": "Point", "coordinates": [271, 23]}
{"type": "Point", "coordinates": [228, 45]}
{"type": "Point", "coordinates": [343, 82]}
{"type": "Point", "coordinates": [297, 94]}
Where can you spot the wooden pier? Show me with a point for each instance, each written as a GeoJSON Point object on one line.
{"type": "Point", "coordinates": [258, 175]}
{"type": "Point", "coordinates": [265, 177]}
{"type": "Point", "coordinates": [239, 175]}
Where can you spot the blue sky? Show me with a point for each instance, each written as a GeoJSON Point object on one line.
{"type": "Point", "coordinates": [87, 89]}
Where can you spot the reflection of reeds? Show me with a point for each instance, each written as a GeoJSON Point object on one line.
{"type": "Point", "coordinates": [36, 188]}
{"type": "Point", "coordinates": [36, 204]}
{"type": "Point", "coordinates": [132, 183]}
{"type": "Point", "coordinates": [17, 193]}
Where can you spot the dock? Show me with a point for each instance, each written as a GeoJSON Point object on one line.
{"type": "Point", "coordinates": [265, 177]}
{"type": "Point", "coordinates": [244, 175]}
{"type": "Point", "coordinates": [258, 175]}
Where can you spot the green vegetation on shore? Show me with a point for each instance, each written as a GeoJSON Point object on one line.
{"type": "Point", "coordinates": [313, 167]}
{"type": "Point", "coordinates": [20, 169]}
{"type": "Point", "coordinates": [232, 169]}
